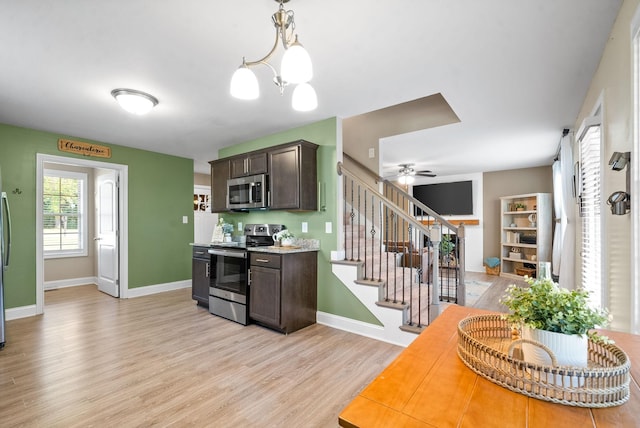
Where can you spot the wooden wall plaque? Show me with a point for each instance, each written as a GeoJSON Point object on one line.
{"type": "Point", "coordinates": [85, 149]}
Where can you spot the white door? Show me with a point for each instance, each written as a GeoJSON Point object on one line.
{"type": "Point", "coordinates": [107, 232]}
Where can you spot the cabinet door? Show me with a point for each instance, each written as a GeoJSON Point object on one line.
{"type": "Point", "coordinates": [200, 281]}
{"type": "Point", "coordinates": [238, 166]}
{"type": "Point", "coordinates": [264, 295]}
{"type": "Point", "coordinates": [219, 177]}
{"type": "Point", "coordinates": [254, 163]}
{"type": "Point", "coordinates": [285, 178]}
{"type": "Point", "coordinates": [257, 163]}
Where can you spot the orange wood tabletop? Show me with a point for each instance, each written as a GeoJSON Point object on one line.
{"type": "Point", "coordinates": [429, 386]}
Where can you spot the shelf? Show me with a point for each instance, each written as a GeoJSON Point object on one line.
{"type": "Point", "coordinates": [520, 212]}
{"type": "Point", "coordinates": [519, 244]}
{"type": "Point", "coordinates": [532, 229]}
{"type": "Point", "coordinates": [533, 262]}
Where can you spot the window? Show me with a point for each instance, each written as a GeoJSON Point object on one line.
{"type": "Point", "coordinates": [64, 205]}
{"type": "Point", "coordinates": [590, 203]}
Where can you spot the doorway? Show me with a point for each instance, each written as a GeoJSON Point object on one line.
{"type": "Point", "coordinates": [110, 235]}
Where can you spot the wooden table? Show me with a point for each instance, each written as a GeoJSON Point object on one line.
{"type": "Point", "coordinates": [429, 386]}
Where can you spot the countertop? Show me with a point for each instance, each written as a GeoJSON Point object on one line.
{"type": "Point", "coordinates": [282, 250]}
{"type": "Point", "coordinates": [300, 246]}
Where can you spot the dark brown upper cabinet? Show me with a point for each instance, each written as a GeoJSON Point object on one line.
{"type": "Point", "coordinates": [293, 176]}
{"type": "Point", "coordinates": [292, 170]}
{"type": "Point", "coordinates": [219, 176]}
{"type": "Point", "coordinates": [248, 164]}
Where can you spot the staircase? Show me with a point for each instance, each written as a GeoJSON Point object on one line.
{"type": "Point", "coordinates": [391, 260]}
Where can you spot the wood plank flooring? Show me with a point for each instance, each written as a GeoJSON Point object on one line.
{"type": "Point", "coordinates": [93, 360]}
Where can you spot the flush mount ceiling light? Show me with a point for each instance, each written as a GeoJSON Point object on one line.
{"type": "Point", "coordinates": [295, 68]}
{"type": "Point", "coordinates": [136, 102]}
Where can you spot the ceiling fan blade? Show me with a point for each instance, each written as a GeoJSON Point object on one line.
{"type": "Point", "coordinates": [426, 173]}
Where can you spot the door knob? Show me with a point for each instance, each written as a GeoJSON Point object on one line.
{"type": "Point", "coordinates": [97, 239]}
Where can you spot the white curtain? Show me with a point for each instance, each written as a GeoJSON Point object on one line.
{"type": "Point", "coordinates": [560, 217]}
{"type": "Point", "coordinates": [567, 256]}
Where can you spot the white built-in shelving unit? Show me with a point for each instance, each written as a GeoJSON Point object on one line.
{"type": "Point", "coordinates": [526, 232]}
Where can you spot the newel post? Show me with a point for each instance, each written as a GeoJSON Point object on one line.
{"type": "Point", "coordinates": [435, 235]}
{"type": "Point", "coordinates": [461, 290]}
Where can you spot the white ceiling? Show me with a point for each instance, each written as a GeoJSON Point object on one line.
{"type": "Point", "coordinates": [515, 72]}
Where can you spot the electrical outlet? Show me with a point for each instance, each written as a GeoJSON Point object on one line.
{"type": "Point", "coordinates": [328, 227]}
{"type": "Point", "coordinates": [372, 152]}
{"type": "Point", "coordinates": [185, 219]}
{"type": "Point", "coordinates": [240, 226]}
{"type": "Point", "coordinates": [305, 227]}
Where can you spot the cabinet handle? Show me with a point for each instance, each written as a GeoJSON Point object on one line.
{"type": "Point", "coordinates": [248, 276]}
{"type": "Point", "coordinates": [262, 260]}
{"type": "Point", "coordinates": [208, 271]}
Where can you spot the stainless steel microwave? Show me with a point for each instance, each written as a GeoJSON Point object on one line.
{"type": "Point", "coordinates": [246, 193]}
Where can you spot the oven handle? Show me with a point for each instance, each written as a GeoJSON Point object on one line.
{"type": "Point", "coordinates": [229, 253]}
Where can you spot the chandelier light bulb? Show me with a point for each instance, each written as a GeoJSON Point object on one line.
{"type": "Point", "coordinates": [296, 64]}
{"type": "Point", "coordinates": [304, 98]}
{"type": "Point", "coordinates": [244, 84]}
{"type": "Point", "coordinates": [135, 102]}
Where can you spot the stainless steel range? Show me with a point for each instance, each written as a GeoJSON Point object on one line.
{"type": "Point", "coordinates": [228, 291]}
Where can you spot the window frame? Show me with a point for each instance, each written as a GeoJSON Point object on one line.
{"type": "Point", "coordinates": [83, 232]}
{"type": "Point", "coordinates": [592, 267]}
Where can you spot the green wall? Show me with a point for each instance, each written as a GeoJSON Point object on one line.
{"type": "Point", "coordinates": [160, 193]}
{"type": "Point", "coordinates": [333, 296]}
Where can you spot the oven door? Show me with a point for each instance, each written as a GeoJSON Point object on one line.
{"type": "Point", "coordinates": [229, 274]}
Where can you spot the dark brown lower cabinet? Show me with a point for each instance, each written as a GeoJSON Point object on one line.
{"type": "Point", "coordinates": [200, 275]}
{"type": "Point", "coordinates": [283, 290]}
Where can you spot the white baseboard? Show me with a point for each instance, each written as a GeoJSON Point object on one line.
{"type": "Point", "coordinates": [20, 312]}
{"type": "Point", "coordinates": [30, 311]}
{"type": "Point", "coordinates": [158, 288]}
{"type": "Point", "coordinates": [356, 327]}
{"type": "Point", "coordinates": [72, 282]}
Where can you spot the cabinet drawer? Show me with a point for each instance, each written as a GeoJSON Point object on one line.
{"type": "Point", "coordinates": [201, 253]}
{"type": "Point", "coordinates": [266, 260]}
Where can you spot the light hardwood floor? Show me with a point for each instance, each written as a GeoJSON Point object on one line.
{"type": "Point", "coordinates": [93, 360]}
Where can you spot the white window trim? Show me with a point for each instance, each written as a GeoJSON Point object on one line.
{"type": "Point", "coordinates": [83, 214]}
{"type": "Point", "coordinates": [602, 299]}
{"type": "Point", "coordinates": [635, 178]}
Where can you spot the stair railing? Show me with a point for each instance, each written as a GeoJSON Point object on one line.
{"type": "Point", "coordinates": [415, 252]}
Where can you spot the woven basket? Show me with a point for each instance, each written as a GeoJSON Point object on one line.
{"type": "Point", "coordinates": [492, 270]}
{"type": "Point", "coordinates": [486, 346]}
{"type": "Point", "coordinates": [525, 271]}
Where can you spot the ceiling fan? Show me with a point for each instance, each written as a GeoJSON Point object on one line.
{"type": "Point", "coordinates": [406, 174]}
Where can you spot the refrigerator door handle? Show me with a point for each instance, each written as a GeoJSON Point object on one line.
{"type": "Point", "coordinates": [5, 205]}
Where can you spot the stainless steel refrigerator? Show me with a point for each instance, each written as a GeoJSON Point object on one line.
{"type": "Point", "coordinates": [5, 250]}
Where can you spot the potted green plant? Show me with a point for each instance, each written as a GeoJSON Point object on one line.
{"type": "Point", "coordinates": [446, 248]}
{"type": "Point", "coordinates": [286, 238]}
{"type": "Point", "coordinates": [559, 318]}
{"type": "Point", "coordinates": [520, 206]}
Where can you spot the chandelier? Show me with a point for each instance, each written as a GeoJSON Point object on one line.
{"type": "Point", "coordinates": [295, 67]}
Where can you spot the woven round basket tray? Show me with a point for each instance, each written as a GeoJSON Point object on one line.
{"type": "Point", "coordinates": [486, 345]}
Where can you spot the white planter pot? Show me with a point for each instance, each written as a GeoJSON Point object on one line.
{"type": "Point", "coordinates": [570, 350]}
{"type": "Point", "coordinates": [287, 242]}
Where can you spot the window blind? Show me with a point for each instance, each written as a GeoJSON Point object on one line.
{"type": "Point", "coordinates": [590, 203]}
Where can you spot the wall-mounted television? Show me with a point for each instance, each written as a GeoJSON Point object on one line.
{"type": "Point", "coordinates": [446, 198]}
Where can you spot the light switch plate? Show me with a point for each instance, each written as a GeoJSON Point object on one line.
{"type": "Point", "coordinates": [305, 227]}
{"type": "Point", "coordinates": [240, 227]}
{"type": "Point", "coordinates": [185, 219]}
{"type": "Point", "coordinates": [328, 227]}
{"type": "Point", "coordinates": [372, 152]}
